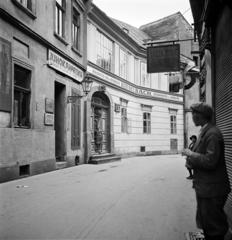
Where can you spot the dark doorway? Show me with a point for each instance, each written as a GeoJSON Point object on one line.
{"type": "Point", "coordinates": [60, 148]}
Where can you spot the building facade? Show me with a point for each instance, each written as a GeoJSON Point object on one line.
{"type": "Point", "coordinates": [43, 61]}
{"type": "Point", "coordinates": [139, 115]}
{"type": "Point", "coordinates": [213, 21]}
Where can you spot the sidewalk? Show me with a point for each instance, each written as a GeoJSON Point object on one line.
{"type": "Point", "coordinates": [137, 198]}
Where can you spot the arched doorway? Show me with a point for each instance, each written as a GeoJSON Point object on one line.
{"type": "Point", "coordinates": [100, 124]}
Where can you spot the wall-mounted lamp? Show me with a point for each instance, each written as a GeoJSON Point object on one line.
{"type": "Point", "coordinates": [86, 86]}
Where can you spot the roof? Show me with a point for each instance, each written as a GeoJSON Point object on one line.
{"type": "Point", "coordinates": [135, 33]}
{"type": "Point", "coordinates": [172, 27]}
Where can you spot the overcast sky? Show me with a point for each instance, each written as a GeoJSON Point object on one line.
{"type": "Point", "coordinates": [140, 12]}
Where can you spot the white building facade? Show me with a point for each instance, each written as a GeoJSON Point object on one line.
{"type": "Point", "coordinates": [135, 112]}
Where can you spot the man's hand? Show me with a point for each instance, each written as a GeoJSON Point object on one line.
{"type": "Point", "coordinates": [187, 152]}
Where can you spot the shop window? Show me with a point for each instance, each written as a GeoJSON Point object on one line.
{"type": "Point", "coordinates": [76, 29]}
{"type": "Point", "coordinates": [22, 95]}
{"type": "Point", "coordinates": [60, 17]}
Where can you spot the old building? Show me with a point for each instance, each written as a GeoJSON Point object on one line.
{"type": "Point", "coordinates": [43, 61]}
{"type": "Point", "coordinates": [141, 113]}
{"type": "Point", "coordinates": [175, 28]}
{"type": "Point", "coordinates": [213, 21]}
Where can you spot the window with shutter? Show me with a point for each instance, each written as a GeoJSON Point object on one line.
{"type": "Point", "coordinates": [75, 122]}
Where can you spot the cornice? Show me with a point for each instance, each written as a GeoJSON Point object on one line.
{"type": "Point", "coordinates": [28, 31]}
{"type": "Point", "coordinates": [102, 81]}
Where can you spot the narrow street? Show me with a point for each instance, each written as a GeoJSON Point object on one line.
{"type": "Point", "coordinates": [147, 198]}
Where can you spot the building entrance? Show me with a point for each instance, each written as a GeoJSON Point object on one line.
{"type": "Point", "coordinates": [100, 124]}
{"type": "Point", "coordinates": [60, 149]}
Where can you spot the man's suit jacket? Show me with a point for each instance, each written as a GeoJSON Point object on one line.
{"type": "Point", "coordinates": [208, 163]}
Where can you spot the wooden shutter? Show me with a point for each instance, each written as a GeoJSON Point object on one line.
{"type": "Point", "coordinates": [5, 76]}
{"type": "Point", "coordinates": [75, 122]}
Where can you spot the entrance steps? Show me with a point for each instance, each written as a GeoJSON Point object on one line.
{"type": "Point", "coordinates": [104, 158]}
{"type": "Point", "coordinates": [61, 165]}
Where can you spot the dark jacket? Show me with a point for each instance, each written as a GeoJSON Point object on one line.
{"type": "Point", "coordinates": [208, 163]}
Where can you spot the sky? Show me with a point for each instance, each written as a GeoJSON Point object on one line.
{"type": "Point", "coordinates": [140, 12]}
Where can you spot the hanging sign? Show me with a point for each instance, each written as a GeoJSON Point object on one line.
{"type": "Point", "coordinates": [164, 58]}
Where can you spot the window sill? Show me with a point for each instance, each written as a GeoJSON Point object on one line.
{"type": "Point", "coordinates": [77, 51]}
{"type": "Point", "coordinates": [22, 127]}
{"type": "Point", "coordinates": [24, 9]}
{"type": "Point", "coordinates": [60, 38]}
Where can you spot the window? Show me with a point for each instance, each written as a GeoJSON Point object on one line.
{"type": "Point", "coordinates": [76, 29]}
{"type": "Point", "coordinates": [124, 119]}
{"type": "Point", "coordinates": [137, 72]}
{"type": "Point", "coordinates": [22, 95]}
{"type": "Point", "coordinates": [145, 80]}
{"type": "Point", "coordinates": [27, 6]}
{"type": "Point", "coordinates": [75, 122]}
{"type": "Point", "coordinates": [26, 3]}
{"type": "Point", "coordinates": [173, 144]}
{"type": "Point", "coordinates": [147, 109]}
{"type": "Point", "coordinates": [104, 52]}
{"type": "Point", "coordinates": [173, 113]}
{"type": "Point", "coordinates": [146, 122]}
{"type": "Point", "coordinates": [174, 82]}
{"type": "Point", "coordinates": [60, 12]}
{"type": "Point", "coordinates": [123, 64]}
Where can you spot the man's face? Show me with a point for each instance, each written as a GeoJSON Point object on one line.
{"type": "Point", "coordinates": [197, 118]}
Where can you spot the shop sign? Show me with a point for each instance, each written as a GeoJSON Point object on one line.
{"type": "Point", "coordinates": [49, 105]}
{"type": "Point", "coordinates": [48, 119]}
{"type": "Point", "coordinates": [164, 58]}
{"type": "Point", "coordinates": [62, 65]}
{"type": "Point", "coordinates": [133, 89]}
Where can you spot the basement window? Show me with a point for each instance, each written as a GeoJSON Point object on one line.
{"type": "Point", "coordinates": [24, 170]}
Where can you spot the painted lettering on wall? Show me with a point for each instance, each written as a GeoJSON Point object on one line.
{"type": "Point", "coordinates": [62, 65]}
{"type": "Point", "coordinates": [133, 89]}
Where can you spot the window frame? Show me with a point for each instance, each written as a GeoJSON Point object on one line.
{"type": "Point", "coordinates": [102, 51]}
{"type": "Point", "coordinates": [124, 118]}
{"type": "Point", "coordinates": [146, 122]}
{"type": "Point", "coordinates": [123, 64]}
{"type": "Point", "coordinates": [76, 36]}
{"type": "Point", "coordinates": [30, 11]}
{"type": "Point", "coordinates": [173, 121]}
{"type": "Point", "coordinates": [25, 90]}
{"type": "Point", "coordinates": [60, 9]}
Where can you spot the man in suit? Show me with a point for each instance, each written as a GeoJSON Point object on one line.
{"type": "Point", "coordinates": [210, 181]}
